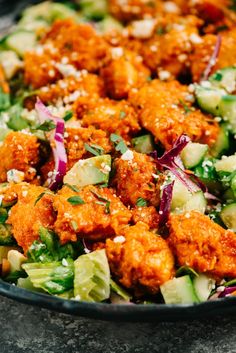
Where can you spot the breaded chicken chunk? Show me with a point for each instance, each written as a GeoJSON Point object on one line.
{"type": "Point", "coordinates": [19, 151]}
{"type": "Point", "coordinates": [75, 139]}
{"type": "Point", "coordinates": [134, 179]}
{"type": "Point", "coordinates": [165, 110]}
{"type": "Point", "coordinates": [108, 115]}
{"type": "Point", "coordinates": [200, 243]}
{"type": "Point", "coordinates": [203, 51]}
{"type": "Point", "coordinates": [140, 260]}
{"type": "Point", "coordinates": [71, 87]}
{"type": "Point", "coordinates": [28, 214]}
{"type": "Point", "coordinates": [99, 215]}
{"type": "Point", "coordinates": [124, 71]}
{"type": "Point", "coordinates": [148, 215]}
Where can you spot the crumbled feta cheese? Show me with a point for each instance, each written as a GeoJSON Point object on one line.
{"type": "Point", "coordinates": [164, 75]}
{"type": "Point", "coordinates": [127, 156]}
{"type": "Point", "coordinates": [143, 29]}
{"type": "Point", "coordinates": [66, 70]}
{"type": "Point", "coordinates": [15, 176]}
{"type": "Point", "coordinates": [117, 52]}
{"type": "Point", "coordinates": [171, 7]}
{"type": "Point", "coordinates": [119, 239]}
{"type": "Point", "coordinates": [195, 38]}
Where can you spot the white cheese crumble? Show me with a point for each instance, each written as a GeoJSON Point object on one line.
{"type": "Point", "coordinates": [119, 239]}
{"type": "Point", "coordinates": [195, 38]}
{"type": "Point", "coordinates": [15, 176]}
{"type": "Point", "coordinates": [127, 156]}
{"type": "Point", "coordinates": [143, 29]}
{"type": "Point", "coordinates": [164, 75]}
{"type": "Point", "coordinates": [117, 52]}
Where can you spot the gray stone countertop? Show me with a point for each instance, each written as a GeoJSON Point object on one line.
{"type": "Point", "coordinates": [26, 329]}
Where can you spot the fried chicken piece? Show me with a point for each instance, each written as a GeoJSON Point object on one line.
{"type": "Point", "coordinates": [39, 70]}
{"type": "Point", "coordinates": [71, 87]}
{"type": "Point", "coordinates": [134, 9]}
{"type": "Point", "coordinates": [165, 110]}
{"type": "Point", "coordinates": [124, 71]}
{"type": "Point", "coordinates": [101, 215]}
{"type": "Point", "coordinates": [140, 260]}
{"type": "Point", "coordinates": [28, 214]}
{"type": "Point", "coordinates": [200, 243]}
{"type": "Point", "coordinates": [203, 51]}
{"type": "Point", "coordinates": [148, 215]}
{"type": "Point", "coordinates": [79, 43]}
{"type": "Point", "coordinates": [75, 139]}
{"type": "Point", "coordinates": [168, 50]}
{"type": "Point", "coordinates": [108, 115]}
{"type": "Point", "coordinates": [134, 179]}
{"type": "Point", "coordinates": [19, 151]}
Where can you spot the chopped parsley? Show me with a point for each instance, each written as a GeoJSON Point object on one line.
{"type": "Point", "coordinates": [141, 202]}
{"type": "Point", "coordinates": [75, 200]}
{"type": "Point", "coordinates": [119, 143]}
{"type": "Point", "coordinates": [102, 201]}
{"type": "Point", "coordinates": [48, 125]}
{"type": "Point", "coordinates": [96, 150]}
{"type": "Point", "coordinates": [68, 115]}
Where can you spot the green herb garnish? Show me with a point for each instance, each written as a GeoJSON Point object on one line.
{"type": "Point", "coordinates": [48, 125]}
{"type": "Point", "coordinates": [119, 143]}
{"type": "Point", "coordinates": [122, 114]}
{"type": "Point", "coordinates": [75, 200]}
{"type": "Point", "coordinates": [72, 187]}
{"type": "Point", "coordinates": [141, 202]}
{"type": "Point", "coordinates": [102, 201]}
{"type": "Point", "coordinates": [68, 115]}
{"type": "Point", "coordinates": [96, 150]}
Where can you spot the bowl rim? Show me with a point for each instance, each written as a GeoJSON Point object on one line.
{"type": "Point", "coordinates": [122, 312]}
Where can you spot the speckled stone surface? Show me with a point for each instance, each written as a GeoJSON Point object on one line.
{"type": "Point", "coordinates": [25, 329]}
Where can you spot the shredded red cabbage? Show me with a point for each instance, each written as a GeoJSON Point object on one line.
{"type": "Point", "coordinates": [57, 142]}
{"type": "Point", "coordinates": [165, 203]}
{"type": "Point", "coordinates": [213, 59]}
{"type": "Point", "coordinates": [227, 291]}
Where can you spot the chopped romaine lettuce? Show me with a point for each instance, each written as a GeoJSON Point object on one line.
{"type": "Point", "coordinates": [54, 277]}
{"type": "Point", "coordinates": [121, 292]}
{"type": "Point", "coordinates": [92, 277]}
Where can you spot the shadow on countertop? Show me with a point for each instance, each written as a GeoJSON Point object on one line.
{"type": "Point", "coordinates": [26, 329]}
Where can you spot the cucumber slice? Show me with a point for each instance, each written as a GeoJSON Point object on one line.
{"type": "Point", "coordinates": [95, 10]}
{"type": "Point", "coordinates": [222, 143]}
{"type": "Point", "coordinates": [209, 99]}
{"type": "Point", "coordinates": [89, 171]}
{"type": "Point", "coordinates": [233, 186]}
{"type": "Point", "coordinates": [108, 24]}
{"type": "Point", "coordinates": [227, 109]}
{"type": "Point", "coordinates": [183, 200]}
{"type": "Point", "coordinates": [193, 154]}
{"type": "Point", "coordinates": [179, 291]}
{"type": "Point", "coordinates": [228, 216]}
{"type": "Point", "coordinates": [10, 62]}
{"type": "Point", "coordinates": [143, 144]}
{"type": "Point", "coordinates": [203, 286]}
{"type": "Point", "coordinates": [227, 164]}
{"type": "Point", "coordinates": [224, 79]}
{"type": "Point", "coordinates": [21, 41]}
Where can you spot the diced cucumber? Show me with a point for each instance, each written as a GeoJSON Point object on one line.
{"type": "Point", "coordinates": [209, 99]}
{"type": "Point", "coordinates": [179, 291]}
{"type": "Point", "coordinates": [48, 12]}
{"type": "Point", "coordinates": [203, 286]}
{"type": "Point", "coordinates": [228, 216]}
{"type": "Point", "coordinates": [233, 186]}
{"type": "Point", "coordinates": [21, 41]}
{"type": "Point", "coordinates": [183, 200]}
{"type": "Point", "coordinates": [193, 154]}
{"type": "Point", "coordinates": [226, 164]}
{"type": "Point", "coordinates": [143, 144]}
{"type": "Point", "coordinates": [227, 109]}
{"type": "Point", "coordinates": [225, 79]}
{"type": "Point", "coordinates": [222, 143]}
{"type": "Point", "coordinates": [108, 24]}
{"type": "Point", "coordinates": [10, 63]}
{"type": "Point", "coordinates": [95, 10]}
{"type": "Point", "coordinates": [89, 171]}
{"type": "Point", "coordinates": [16, 260]}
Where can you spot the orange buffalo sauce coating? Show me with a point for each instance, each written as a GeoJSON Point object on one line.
{"type": "Point", "coordinates": [28, 214]}
{"type": "Point", "coordinates": [200, 243]}
{"type": "Point", "coordinates": [140, 260]}
{"type": "Point", "coordinates": [19, 151]}
{"type": "Point", "coordinates": [134, 178]}
{"type": "Point", "coordinates": [165, 110]}
{"type": "Point", "coordinates": [93, 219]}
{"type": "Point", "coordinates": [148, 215]}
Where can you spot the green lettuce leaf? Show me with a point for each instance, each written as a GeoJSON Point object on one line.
{"type": "Point", "coordinates": [92, 277]}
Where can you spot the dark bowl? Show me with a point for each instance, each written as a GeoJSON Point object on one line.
{"type": "Point", "coordinates": [9, 10]}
